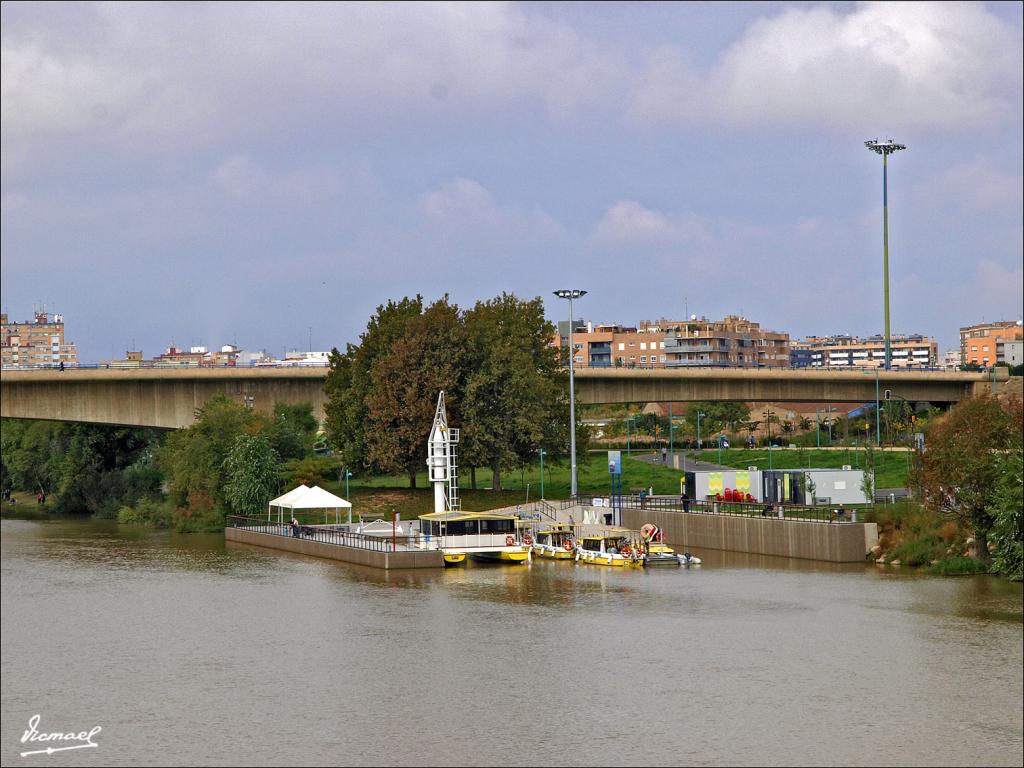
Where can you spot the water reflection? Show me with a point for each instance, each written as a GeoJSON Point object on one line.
{"type": "Point", "coordinates": [164, 639]}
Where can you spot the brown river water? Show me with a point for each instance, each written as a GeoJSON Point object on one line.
{"type": "Point", "coordinates": [185, 650]}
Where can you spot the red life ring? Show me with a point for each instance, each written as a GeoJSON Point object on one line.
{"type": "Point", "coordinates": [510, 541]}
{"type": "Point", "coordinates": [626, 551]}
{"type": "Point", "coordinates": [527, 539]}
{"type": "Point", "coordinates": [569, 546]}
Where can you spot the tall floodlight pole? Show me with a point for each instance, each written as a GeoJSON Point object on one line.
{"type": "Point", "coordinates": [570, 295]}
{"type": "Point", "coordinates": [885, 148]}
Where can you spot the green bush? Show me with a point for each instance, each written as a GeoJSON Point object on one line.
{"type": "Point", "coordinates": [146, 512]}
{"type": "Point", "coordinates": [920, 550]}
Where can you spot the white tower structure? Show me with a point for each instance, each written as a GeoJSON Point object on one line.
{"type": "Point", "coordinates": [441, 460]}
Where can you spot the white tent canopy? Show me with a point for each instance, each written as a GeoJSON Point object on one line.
{"type": "Point", "coordinates": [310, 498]}
{"type": "Point", "coordinates": [285, 500]}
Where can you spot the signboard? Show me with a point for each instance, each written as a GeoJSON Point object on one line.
{"type": "Point", "coordinates": [614, 462]}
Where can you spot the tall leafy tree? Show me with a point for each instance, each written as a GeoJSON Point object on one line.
{"type": "Point", "coordinates": [193, 459]}
{"type": "Point", "coordinates": [516, 393]}
{"type": "Point", "coordinates": [959, 473]}
{"type": "Point", "coordinates": [428, 357]}
{"type": "Point", "coordinates": [250, 470]}
{"type": "Point", "coordinates": [1008, 514]}
{"type": "Point", "coordinates": [292, 429]}
{"type": "Point", "coordinates": [350, 379]}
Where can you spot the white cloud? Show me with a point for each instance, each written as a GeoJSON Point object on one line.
{"type": "Point", "coordinates": [463, 207]}
{"type": "Point", "coordinates": [894, 65]}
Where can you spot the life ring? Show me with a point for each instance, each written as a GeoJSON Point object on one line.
{"type": "Point", "coordinates": [569, 545]}
{"type": "Point", "coordinates": [527, 539]}
{"type": "Point", "coordinates": [626, 551]}
{"type": "Point", "coordinates": [510, 540]}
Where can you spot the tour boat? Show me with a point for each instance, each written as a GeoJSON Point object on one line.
{"type": "Point", "coordinates": [555, 542]}
{"type": "Point", "coordinates": [614, 547]}
{"type": "Point", "coordinates": [480, 535]}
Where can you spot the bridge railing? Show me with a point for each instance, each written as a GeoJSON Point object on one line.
{"type": "Point", "coordinates": [328, 534]}
{"type": "Point", "coordinates": [148, 364]}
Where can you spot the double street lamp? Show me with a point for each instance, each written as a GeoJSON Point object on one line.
{"type": "Point", "coordinates": [885, 148]}
{"type": "Point", "coordinates": [570, 295]}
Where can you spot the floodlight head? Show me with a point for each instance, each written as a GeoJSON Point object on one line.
{"type": "Point", "coordinates": [570, 294]}
{"type": "Point", "coordinates": [886, 147]}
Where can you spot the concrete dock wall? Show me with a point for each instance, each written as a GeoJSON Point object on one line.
{"type": "Point", "coordinates": [830, 542]}
{"type": "Point", "coordinates": [425, 559]}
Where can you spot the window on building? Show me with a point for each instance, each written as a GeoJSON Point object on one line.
{"type": "Point", "coordinates": [621, 347]}
{"type": "Point", "coordinates": [643, 358]}
{"type": "Point", "coordinates": [643, 345]}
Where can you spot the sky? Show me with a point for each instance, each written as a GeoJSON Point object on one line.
{"type": "Point", "coordinates": [267, 175]}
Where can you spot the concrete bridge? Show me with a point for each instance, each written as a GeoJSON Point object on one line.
{"type": "Point", "coordinates": [168, 397]}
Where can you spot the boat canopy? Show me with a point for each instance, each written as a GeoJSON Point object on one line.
{"type": "Point", "coordinates": [453, 516]}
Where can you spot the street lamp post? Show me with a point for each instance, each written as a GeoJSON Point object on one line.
{"type": "Point", "coordinates": [671, 446]}
{"type": "Point", "coordinates": [348, 474]}
{"type": "Point", "coordinates": [699, 415]}
{"type": "Point", "coordinates": [570, 295]}
{"type": "Point", "coordinates": [768, 421]}
{"type": "Point", "coordinates": [541, 473]}
{"type": "Point", "coordinates": [885, 148]}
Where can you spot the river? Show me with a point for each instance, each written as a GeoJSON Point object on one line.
{"type": "Point", "coordinates": [185, 650]}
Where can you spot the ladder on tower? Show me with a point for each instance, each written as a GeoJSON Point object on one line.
{"type": "Point", "coordinates": [454, 502]}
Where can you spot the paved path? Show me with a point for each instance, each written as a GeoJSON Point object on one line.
{"type": "Point", "coordinates": [688, 462]}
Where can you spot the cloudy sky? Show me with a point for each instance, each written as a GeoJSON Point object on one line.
{"type": "Point", "coordinates": [231, 172]}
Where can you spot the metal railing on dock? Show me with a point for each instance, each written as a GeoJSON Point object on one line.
{"type": "Point", "coordinates": [768, 510]}
{"type": "Point", "coordinates": [329, 534]}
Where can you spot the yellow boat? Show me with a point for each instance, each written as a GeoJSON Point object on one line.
{"type": "Point", "coordinates": [613, 547]}
{"type": "Point", "coordinates": [480, 535]}
{"type": "Point", "coordinates": [556, 542]}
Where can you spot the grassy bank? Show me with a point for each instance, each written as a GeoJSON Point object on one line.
{"type": "Point", "coordinates": [892, 468]}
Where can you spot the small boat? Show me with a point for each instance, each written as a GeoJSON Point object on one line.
{"type": "Point", "coordinates": [555, 542]}
{"type": "Point", "coordinates": [614, 547]}
{"type": "Point", "coordinates": [657, 552]}
{"type": "Point", "coordinates": [454, 558]}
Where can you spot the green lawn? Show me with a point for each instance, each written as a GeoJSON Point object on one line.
{"type": "Point", "coordinates": [381, 495]}
{"type": "Point", "coordinates": [592, 474]}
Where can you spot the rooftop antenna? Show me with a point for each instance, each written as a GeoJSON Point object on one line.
{"type": "Point", "coordinates": [441, 460]}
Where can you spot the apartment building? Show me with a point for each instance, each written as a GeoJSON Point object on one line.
{"type": "Point", "coordinates": [34, 343]}
{"type": "Point", "coordinates": [603, 346]}
{"type": "Point", "coordinates": [842, 351]}
{"type": "Point", "coordinates": [979, 344]}
{"type": "Point", "coordinates": [733, 342]}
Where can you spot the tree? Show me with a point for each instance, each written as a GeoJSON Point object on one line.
{"type": "Point", "coordinates": [958, 476]}
{"type": "Point", "coordinates": [717, 415]}
{"type": "Point", "coordinates": [192, 459]}
{"type": "Point", "coordinates": [350, 379]}
{"type": "Point", "coordinates": [1008, 514]}
{"type": "Point", "coordinates": [292, 429]}
{"type": "Point", "coordinates": [805, 424]}
{"type": "Point", "coordinates": [424, 360]}
{"type": "Point", "coordinates": [516, 392]}
{"type": "Point", "coordinates": [867, 481]}
{"type": "Point", "coordinates": [250, 470]}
